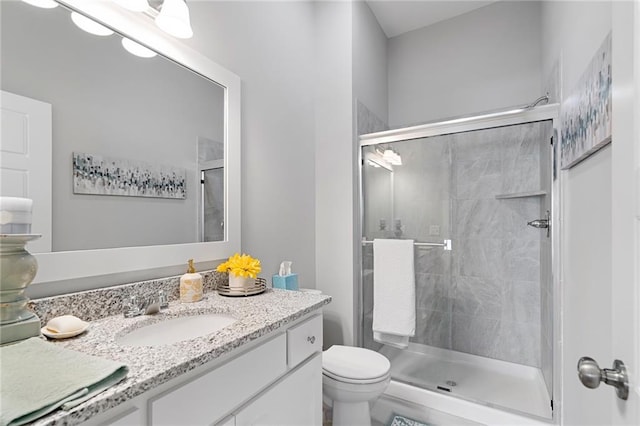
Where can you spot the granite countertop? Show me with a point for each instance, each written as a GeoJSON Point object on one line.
{"type": "Point", "coordinates": [151, 366]}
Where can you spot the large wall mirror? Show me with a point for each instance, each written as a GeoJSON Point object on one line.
{"type": "Point", "coordinates": [145, 152]}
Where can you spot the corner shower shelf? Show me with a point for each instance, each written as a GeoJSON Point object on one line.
{"type": "Point", "coordinates": [521, 195]}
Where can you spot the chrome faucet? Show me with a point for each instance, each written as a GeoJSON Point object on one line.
{"type": "Point", "coordinates": [147, 306]}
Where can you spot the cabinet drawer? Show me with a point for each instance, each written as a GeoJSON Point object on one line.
{"type": "Point", "coordinates": [213, 395]}
{"type": "Point", "coordinates": [303, 340]}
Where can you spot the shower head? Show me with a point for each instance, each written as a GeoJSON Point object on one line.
{"type": "Point", "coordinates": [544, 98]}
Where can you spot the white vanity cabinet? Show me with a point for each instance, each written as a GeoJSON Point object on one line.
{"type": "Point", "coordinates": [297, 397]}
{"type": "Point", "coordinates": [277, 382]}
{"type": "Point", "coordinates": [295, 400]}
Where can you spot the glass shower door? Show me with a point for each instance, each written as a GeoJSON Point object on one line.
{"type": "Point", "coordinates": [485, 306]}
{"type": "Point", "coordinates": [411, 200]}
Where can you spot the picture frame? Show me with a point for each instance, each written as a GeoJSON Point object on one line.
{"type": "Point", "coordinates": [586, 112]}
{"type": "Point", "coordinates": [100, 175]}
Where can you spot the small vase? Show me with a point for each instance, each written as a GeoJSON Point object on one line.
{"type": "Point", "coordinates": [240, 283]}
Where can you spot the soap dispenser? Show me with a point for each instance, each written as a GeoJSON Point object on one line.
{"type": "Point", "coordinates": [191, 285]}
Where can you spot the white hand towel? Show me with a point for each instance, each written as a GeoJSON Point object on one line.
{"type": "Point", "coordinates": [394, 292]}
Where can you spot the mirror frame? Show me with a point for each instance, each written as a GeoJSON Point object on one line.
{"type": "Point", "coordinates": [69, 265]}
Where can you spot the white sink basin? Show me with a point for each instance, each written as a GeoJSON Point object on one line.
{"type": "Point", "coordinates": [176, 330]}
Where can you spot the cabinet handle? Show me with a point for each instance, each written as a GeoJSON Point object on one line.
{"type": "Point", "coordinates": [311, 339]}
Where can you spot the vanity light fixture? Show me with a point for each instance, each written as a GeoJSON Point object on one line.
{"type": "Point", "coordinates": [89, 25]}
{"type": "Point", "coordinates": [137, 49]}
{"type": "Point", "coordinates": [45, 4]}
{"type": "Point", "coordinates": [392, 157]}
{"type": "Point", "coordinates": [134, 5]}
{"type": "Point", "coordinates": [374, 159]}
{"type": "Point", "coordinates": [174, 19]}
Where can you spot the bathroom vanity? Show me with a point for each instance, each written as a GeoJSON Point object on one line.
{"type": "Point", "coordinates": [265, 368]}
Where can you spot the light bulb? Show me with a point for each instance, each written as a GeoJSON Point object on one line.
{"type": "Point", "coordinates": [137, 49]}
{"type": "Point", "coordinates": [134, 5]}
{"type": "Point", "coordinates": [174, 19]}
{"type": "Point", "coordinates": [45, 4]}
{"type": "Point", "coordinates": [90, 25]}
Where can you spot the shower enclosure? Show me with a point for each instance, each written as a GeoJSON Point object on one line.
{"type": "Point", "coordinates": [479, 188]}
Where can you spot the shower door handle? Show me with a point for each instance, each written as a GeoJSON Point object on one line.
{"type": "Point", "coordinates": [591, 375]}
{"type": "Point", "coordinates": [541, 223]}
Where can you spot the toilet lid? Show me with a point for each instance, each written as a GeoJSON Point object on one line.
{"type": "Point", "coordinates": [353, 363]}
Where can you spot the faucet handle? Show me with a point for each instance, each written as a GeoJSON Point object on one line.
{"type": "Point", "coordinates": [132, 307]}
{"type": "Point", "coordinates": [162, 298]}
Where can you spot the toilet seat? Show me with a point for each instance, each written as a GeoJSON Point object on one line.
{"type": "Point", "coordinates": [349, 364]}
{"type": "Point", "coordinates": [355, 381]}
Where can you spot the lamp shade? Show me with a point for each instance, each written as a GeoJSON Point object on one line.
{"type": "Point", "coordinates": [174, 19]}
{"type": "Point", "coordinates": [45, 4]}
{"type": "Point", "coordinates": [137, 49]}
{"type": "Point", "coordinates": [90, 25]}
{"type": "Point", "coordinates": [134, 5]}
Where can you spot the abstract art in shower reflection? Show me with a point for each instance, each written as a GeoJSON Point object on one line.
{"type": "Point", "coordinates": [586, 113]}
{"type": "Point", "coordinates": [99, 175]}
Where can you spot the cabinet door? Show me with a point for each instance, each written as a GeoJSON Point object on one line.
{"type": "Point", "coordinates": [295, 400]}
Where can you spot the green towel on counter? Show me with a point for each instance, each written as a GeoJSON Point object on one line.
{"type": "Point", "coordinates": [36, 377]}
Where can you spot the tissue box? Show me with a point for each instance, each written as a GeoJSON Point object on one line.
{"type": "Point", "coordinates": [287, 282]}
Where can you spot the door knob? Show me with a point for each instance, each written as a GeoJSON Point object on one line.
{"type": "Point", "coordinates": [591, 375]}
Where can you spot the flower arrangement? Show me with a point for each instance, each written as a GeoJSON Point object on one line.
{"type": "Point", "coordinates": [241, 266]}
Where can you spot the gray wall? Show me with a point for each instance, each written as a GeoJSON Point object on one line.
{"type": "Point", "coordinates": [486, 59]}
{"type": "Point", "coordinates": [108, 102]}
{"type": "Point", "coordinates": [334, 162]}
{"type": "Point", "coordinates": [270, 46]}
{"type": "Point", "coordinates": [370, 62]}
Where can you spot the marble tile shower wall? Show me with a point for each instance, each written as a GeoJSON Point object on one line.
{"type": "Point", "coordinates": [484, 297]}
{"type": "Point", "coordinates": [368, 122]}
{"type": "Point", "coordinates": [495, 289]}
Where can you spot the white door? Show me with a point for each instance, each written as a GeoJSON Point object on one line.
{"type": "Point", "coordinates": [625, 279]}
{"type": "Point", "coordinates": [25, 160]}
{"type": "Point", "coordinates": [601, 256]}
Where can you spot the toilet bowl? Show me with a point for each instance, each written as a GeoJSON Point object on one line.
{"type": "Point", "coordinates": [352, 378]}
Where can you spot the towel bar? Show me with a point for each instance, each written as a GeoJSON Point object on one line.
{"type": "Point", "coordinates": [446, 244]}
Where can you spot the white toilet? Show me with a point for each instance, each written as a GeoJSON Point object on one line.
{"type": "Point", "coordinates": [352, 377]}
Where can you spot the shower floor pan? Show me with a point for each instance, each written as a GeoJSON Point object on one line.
{"type": "Point", "coordinates": [496, 383]}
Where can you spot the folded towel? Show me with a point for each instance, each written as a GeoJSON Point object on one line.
{"type": "Point", "coordinates": [394, 294]}
{"type": "Point", "coordinates": [37, 377]}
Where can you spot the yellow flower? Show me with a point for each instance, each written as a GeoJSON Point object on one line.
{"type": "Point", "coordinates": [241, 266]}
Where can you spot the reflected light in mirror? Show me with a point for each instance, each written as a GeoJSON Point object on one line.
{"type": "Point", "coordinates": [174, 19]}
{"type": "Point", "coordinates": [374, 159]}
{"type": "Point", "coordinates": [90, 26]}
{"type": "Point", "coordinates": [45, 4]}
{"type": "Point", "coordinates": [392, 157]}
{"type": "Point", "coordinates": [137, 49]}
{"type": "Point", "coordinates": [134, 5]}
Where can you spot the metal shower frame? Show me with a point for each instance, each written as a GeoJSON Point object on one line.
{"type": "Point", "coordinates": [513, 116]}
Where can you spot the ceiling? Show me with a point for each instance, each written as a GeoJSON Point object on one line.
{"type": "Point", "coordinates": [400, 16]}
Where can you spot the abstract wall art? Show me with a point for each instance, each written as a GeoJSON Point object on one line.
{"type": "Point", "coordinates": [99, 175]}
{"type": "Point", "coordinates": [586, 112]}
